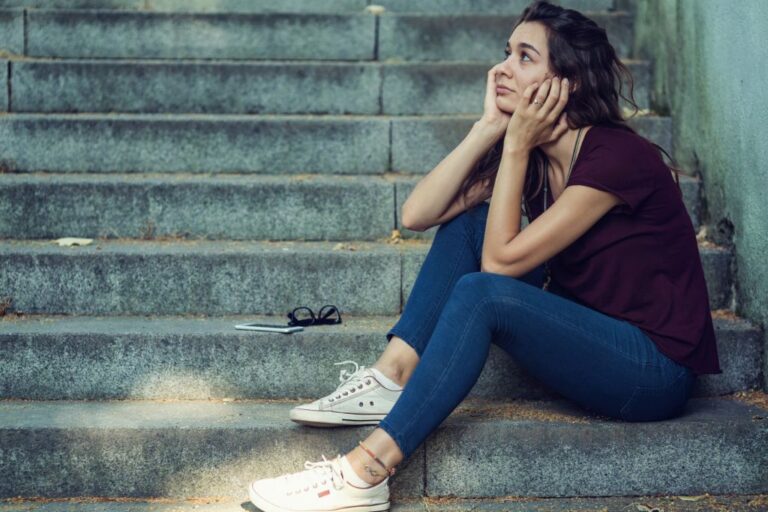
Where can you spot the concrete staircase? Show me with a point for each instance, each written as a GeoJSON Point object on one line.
{"type": "Point", "coordinates": [234, 162]}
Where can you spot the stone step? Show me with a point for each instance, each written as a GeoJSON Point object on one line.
{"type": "Point", "coordinates": [703, 503]}
{"type": "Point", "coordinates": [204, 448]}
{"type": "Point", "coordinates": [231, 207]}
{"type": "Point", "coordinates": [259, 87]}
{"type": "Point", "coordinates": [425, 6]}
{"type": "Point", "coordinates": [126, 277]}
{"type": "Point", "coordinates": [264, 144]}
{"type": "Point", "coordinates": [357, 35]}
{"type": "Point", "coordinates": [99, 358]}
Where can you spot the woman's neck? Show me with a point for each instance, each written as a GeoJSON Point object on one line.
{"type": "Point", "coordinates": [560, 152]}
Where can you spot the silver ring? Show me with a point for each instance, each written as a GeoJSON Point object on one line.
{"type": "Point", "coordinates": [536, 102]}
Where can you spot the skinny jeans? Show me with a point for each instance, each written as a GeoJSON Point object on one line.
{"type": "Point", "coordinates": [454, 312]}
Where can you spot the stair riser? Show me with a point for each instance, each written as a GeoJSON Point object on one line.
{"type": "Point", "coordinates": [243, 208]}
{"type": "Point", "coordinates": [184, 144]}
{"type": "Point", "coordinates": [116, 362]}
{"type": "Point", "coordinates": [427, 6]}
{"type": "Point", "coordinates": [217, 449]}
{"type": "Point", "coordinates": [142, 279]}
{"type": "Point", "coordinates": [271, 208]}
{"type": "Point", "coordinates": [429, 37]}
{"type": "Point", "coordinates": [258, 88]}
{"type": "Point", "coordinates": [124, 34]}
{"type": "Point", "coordinates": [350, 36]}
{"type": "Point", "coordinates": [215, 144]}
{"type": "Point", "coordinates": [637, 458]}
{"type": "Point", "coordinates": [176, 463]}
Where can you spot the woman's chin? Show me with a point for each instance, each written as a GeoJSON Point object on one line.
{"type": "Point", "coordinates": [505, 106]}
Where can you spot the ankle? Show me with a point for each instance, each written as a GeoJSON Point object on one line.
{"type": "Point", "coordinates": [394, 372]}
{"type": "Point", "coordinates": [365, 467]}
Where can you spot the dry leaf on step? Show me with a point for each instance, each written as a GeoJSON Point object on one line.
{"type": "Point", "coordinates": [68, 242]}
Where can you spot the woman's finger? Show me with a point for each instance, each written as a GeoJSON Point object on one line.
{"type": "Point", "coordinates": [541, 94]}
{"type": "Point", "coordinates": [560, 101]}
{"type": "Point", "coordinates": [552, 98]}
{"type": "Point", "coordinates": [528, 92]}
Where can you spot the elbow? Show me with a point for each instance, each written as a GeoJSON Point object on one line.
{"type": "Point", "coordinates": [407, 222]}
{"type": "Point", "coordinates": [506, 269]}
{"type": "Point", "coordinates": [486, 265]}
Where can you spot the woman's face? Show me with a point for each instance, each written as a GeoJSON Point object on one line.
{"type": "Point", "coordinates": [527, 62]}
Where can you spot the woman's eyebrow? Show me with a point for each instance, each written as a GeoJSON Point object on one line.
{"type": "Point", "coordinates": [525, 45]}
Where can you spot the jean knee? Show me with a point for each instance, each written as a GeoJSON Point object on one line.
{"type": "Point", "coordinates": [474, 285]}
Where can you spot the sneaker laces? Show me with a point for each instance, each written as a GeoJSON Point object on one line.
{"type": "Point", "coordinates": [318, 473]}
{"type": "Point", "coordinates": [350, 378]}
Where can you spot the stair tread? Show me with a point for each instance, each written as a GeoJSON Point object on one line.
{"type": "Point", "coordinates": [701, 503]}
{"type": "Point", "coordinates": [220, 324]}
{"type": "Point", "coordinates": [729, 410]}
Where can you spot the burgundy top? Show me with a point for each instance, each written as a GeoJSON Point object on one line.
{"type": "Point", "coordinates": [640, 262]}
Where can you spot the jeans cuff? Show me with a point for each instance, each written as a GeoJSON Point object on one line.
{"type": "Point", "coordinates": [395, 332]}
{"type": "Point", "coordinates": [386, 427]}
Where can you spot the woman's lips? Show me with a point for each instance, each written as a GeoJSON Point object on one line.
{"type": "Point", "coordinates": [503, 90]}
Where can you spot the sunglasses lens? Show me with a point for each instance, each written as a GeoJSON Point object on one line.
{"type": "Point", "coordinates": [329, 314]}
{"type": "Point", "coordinates": [302, 316]}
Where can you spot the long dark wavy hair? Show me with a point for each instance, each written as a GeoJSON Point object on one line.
{"type": "Point", "coordinates": [579, 51]}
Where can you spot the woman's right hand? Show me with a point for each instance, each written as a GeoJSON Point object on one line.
{"type": "Point", "coordinates": [493, 117]}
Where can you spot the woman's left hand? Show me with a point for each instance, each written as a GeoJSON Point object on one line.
{"type": "Point", "coordinates": [534, 124]}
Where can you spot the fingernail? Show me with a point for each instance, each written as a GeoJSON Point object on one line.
{"type": "Point", "coordinates": [565, 80]}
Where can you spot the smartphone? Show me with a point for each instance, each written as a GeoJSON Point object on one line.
{"type": "Point", "coordinates": [287, 329]}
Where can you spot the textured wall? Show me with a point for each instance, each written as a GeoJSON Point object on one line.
{"type": "Point", "coordinates": [710, 65]}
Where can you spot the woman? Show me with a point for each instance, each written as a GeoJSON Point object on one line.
{"type": "Point", "coordinates": [625, 326]}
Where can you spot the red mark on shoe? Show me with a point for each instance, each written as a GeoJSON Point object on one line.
{"type": "Point", "coordinates": [323, 493]}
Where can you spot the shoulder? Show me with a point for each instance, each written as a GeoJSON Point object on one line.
{"type": "Point", "coordinates": [613, 145]}
{"type": "Point", "coordinates": [619, 141]}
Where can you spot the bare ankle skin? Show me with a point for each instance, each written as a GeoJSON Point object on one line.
{"type": "Point", "coordinates": [384, 447]}
{"type": "Point", "coordinates": [398, 361]}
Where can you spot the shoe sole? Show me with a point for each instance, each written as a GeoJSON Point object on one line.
{"type": "Point", "coordinates": [266, 506]}
{"type": "Point", "coordinates": [333, 419]}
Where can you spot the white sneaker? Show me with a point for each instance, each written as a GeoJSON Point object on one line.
{"type": "Point", "coordinates": [360, 399]}
{"type": "Point", "coordinates": [319, 488]}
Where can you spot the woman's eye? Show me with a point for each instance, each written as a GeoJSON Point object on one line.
{"type": "Point", "coordinates": [507, 53]}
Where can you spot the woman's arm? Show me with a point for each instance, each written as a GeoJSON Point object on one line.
{"type": "Point", "coordinates": [578, 208]}
{"type": "Point", "coordinates": [436, 192]}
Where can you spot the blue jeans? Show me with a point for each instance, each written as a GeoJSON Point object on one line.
{"type": "Point", "coordinates": [454, 312]}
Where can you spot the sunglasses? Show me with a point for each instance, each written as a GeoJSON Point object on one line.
{"type": "Point", "coordinates": [327, 315]}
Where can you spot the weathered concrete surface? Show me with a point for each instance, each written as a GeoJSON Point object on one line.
{"type": "Point", "coordinates": [164, 449]}
{"type": "Point", "coordinates": [219, 87]}
{"type": "Point", "coordinates": [222, 277]}
{"type": "Point", "coordinates": [287, 87]}
{"type": "Point", "coordinates": [96, 358]}
{"type": "Point", "coordinates": [12, 31]}
{"type": "Point", "coordinates": [171, 35]}
{"type": "Point", "coordinates": [554, 448]}
{"type": "Point", "coordinates": [424, 37]}
{"type": "Point", "coordinates": [194, 143]}
{"type": "Point", "coordinates": [700, 451]}
{"type": "Point", "coordinates": [233, 207]}
{"type": "Point", "coordinates": [715, 91]}
{"type": "Point", "coordinates": [703, 503]}
{"type": "Point", "coordinates": [426, 6]}
{"type": "Point", "coordinates": [210, 277]}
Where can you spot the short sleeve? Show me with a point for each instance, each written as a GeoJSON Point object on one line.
{"type": "Point", "coordinates": [619, 169]}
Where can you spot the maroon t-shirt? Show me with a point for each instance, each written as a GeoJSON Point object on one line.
{"type": "Point", "coordinates": [640, 262]}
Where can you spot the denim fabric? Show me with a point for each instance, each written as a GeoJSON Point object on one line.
{"type": "Point", "coordinates": [454, 312]}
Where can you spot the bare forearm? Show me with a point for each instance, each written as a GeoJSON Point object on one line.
{"type": "Point", "coordinates": [434, 193]}
{"type": "Point", "coordinates": [503, 222]}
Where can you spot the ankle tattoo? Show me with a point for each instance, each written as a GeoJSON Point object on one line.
{"type": "Point", "coordinates": [371, 471]}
